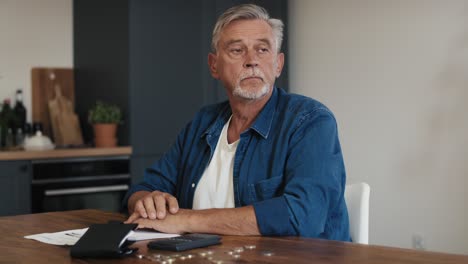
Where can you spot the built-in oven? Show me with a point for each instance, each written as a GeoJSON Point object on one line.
{"type": "Point", "coordinates": [79, 183]}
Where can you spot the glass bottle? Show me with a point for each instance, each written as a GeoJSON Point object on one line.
{"type": "Point", "coordinates": [19, 137]}
{"type": "Point", "coordinates": [20, 111]}
{"type": "Point", "coordinates": [9, 140]}
{"type": "Point", "coordinates": [6, 119]}
{"type": "Point", "coordinates": [6, 108]}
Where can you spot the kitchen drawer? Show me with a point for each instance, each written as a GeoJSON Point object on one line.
{"type": "Point", "coordinates": [15, 187]}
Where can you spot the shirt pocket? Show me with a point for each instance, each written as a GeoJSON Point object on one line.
{"type": "Point", "coordinates": [267, 189]}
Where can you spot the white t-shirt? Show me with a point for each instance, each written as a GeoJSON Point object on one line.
{"type": "Point", "coordinates": [215, 188]}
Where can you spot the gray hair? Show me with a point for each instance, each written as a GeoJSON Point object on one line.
{"type": "Point", "coordinates": [247, 12]}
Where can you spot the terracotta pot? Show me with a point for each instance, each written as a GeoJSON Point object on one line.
{"type": "Point", "coordinates": [105, 135]}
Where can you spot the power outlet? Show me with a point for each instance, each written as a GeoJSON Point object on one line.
{"type": "Point", "coordinates": [419, 242]}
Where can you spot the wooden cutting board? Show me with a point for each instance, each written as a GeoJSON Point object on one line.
{"type": "Point", "coordinates": [43, 83]}
{"type": "Point", "coordinates": [65, 125]}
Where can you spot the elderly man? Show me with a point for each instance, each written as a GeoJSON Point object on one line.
{"type": "Point", "coordinates": [263, 163]}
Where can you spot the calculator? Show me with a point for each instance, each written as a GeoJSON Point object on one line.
{"type": "Point", "coordinates": [185, 242]}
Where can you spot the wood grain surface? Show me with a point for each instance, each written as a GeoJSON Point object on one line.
{"type": "Point", "coordinates": [65, 124]}
{"type": "Point", "coordinates": [64, 153]}
{"type": "Point", "coordinates": [43, 82]}
{"type": "Point", "coordinates": [16, 249]}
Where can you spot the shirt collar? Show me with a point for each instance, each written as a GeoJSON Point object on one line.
{"type": "Point", "coordinates": [262, 123]}
{"type": "Point", "coordinates": [220, 121]}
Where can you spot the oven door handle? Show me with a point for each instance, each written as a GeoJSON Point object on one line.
{"type": "Point", "coordinates": [69, 191]}
{"type": "Point", "coordinates": [82, 178]}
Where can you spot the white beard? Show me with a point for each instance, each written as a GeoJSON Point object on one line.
{"type": "Point", "coordinates": [251, 94]}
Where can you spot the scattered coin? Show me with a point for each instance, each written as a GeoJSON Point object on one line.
{"type": "Point", "coordinates": [148, 258]}
{"type": "Point", "coordinates": [202, 254]}
{"type": "Point", "coordinates": [230, 252]}
{"type": "Point", "coordinates": [250, 247]}
{"type": "Point", "coordinates": [267, 253]}
{"type": "Point", "coordinates": [140, 256]}
{"type": "Point", "coordinates": [236, 256]}
{"type": "Point", "coordinates": [239, 249]}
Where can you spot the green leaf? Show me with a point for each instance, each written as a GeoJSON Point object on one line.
{"type": "Point", "coordinates": [104, 113]}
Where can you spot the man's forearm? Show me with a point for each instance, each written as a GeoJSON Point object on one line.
{"type": "Point", "coordinates": [226, 221]}
{"type": "Point", "coordinates": [232, 221]}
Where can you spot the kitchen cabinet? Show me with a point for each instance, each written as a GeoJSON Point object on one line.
{"type": "Point", "coordinates": [37, 181]}
{"type": "Point", "coordinates": [15, 187]}
{"type": "Point", "coordinates": [79, 183]}
{"type": "Point", "coordinates": [150, 57]}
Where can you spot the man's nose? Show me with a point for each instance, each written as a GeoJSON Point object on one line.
{"type": "Point", "coordinates": [251, 60]}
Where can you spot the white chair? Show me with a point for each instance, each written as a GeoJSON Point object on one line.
{"type": "Point", "coordinates": [357, 200]}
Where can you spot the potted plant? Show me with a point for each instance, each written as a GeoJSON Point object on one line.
{"type": "Point", "coordinates": [105, 117]}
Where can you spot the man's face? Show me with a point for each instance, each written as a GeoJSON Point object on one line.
{"type": "Point", "coordinates": [246, 60]}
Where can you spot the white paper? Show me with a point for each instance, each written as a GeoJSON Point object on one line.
{"type": "Point", "coordinates": [70, 237]}
{"type": "Point", "coordinates": [138, 235]}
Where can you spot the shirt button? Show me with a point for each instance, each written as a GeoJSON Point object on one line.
{"type": "Point", "coordinates": [193, 185]}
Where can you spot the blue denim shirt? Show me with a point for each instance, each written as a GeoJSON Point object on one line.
{"type": "Point", "coordinates": [288, 165]}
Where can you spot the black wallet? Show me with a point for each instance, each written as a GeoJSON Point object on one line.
{"type": "Point", "coordinates": [104, 240]}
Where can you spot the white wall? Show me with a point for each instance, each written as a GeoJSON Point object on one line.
{"type": "Point", "coordinates": [395, 73]}
{"type": "Point", "coordinates": [32, 33]}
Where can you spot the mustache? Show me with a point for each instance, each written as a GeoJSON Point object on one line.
{"type": "Point", "coordinates": [254, 73]}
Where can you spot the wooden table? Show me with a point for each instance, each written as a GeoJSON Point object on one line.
{"type": "Point", "coordinates": [291, 250]}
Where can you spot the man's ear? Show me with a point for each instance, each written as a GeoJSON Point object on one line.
{"type": "Point", "coordinates": [212, 58]}
{"type": "Point", "coordinates": [279, 64]}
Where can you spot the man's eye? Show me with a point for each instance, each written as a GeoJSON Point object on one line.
{"type": "Point", "coordinates": [236, 51]}
{"type": "Point", "coordinates": [263, 50]}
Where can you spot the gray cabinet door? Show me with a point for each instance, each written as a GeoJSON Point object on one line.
{"type": "Point", "coordinates": [15, 187]}
{"type": "Point", "coordinates": [168, 68]}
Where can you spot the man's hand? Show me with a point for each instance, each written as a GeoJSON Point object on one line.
{"type": "Point", "coordinates": [172, 223]}
{"type": "Point", "coordinates": [151, 205]}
